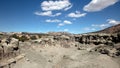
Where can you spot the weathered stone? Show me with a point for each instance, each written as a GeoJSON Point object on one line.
{"type": "Point", "coordinates": [10, 50]}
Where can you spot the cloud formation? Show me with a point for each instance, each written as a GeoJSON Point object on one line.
{"type": "Point", "coordinates": [61, 24]}
{"type": "Point", "coordinates": [49, 6]}
{"type": "Point", "coordinates": [55, 5]}
{"type": "Point", "coordinates": [113, 22]}
{"type": "Point", "coordinates": [47, 13]}
{"type": "Point", "coordinates": [110, 22]}
{"type": "Point", "coordinates": [52, 21]}
{"type": "Point", "coordinates": [65, 22]}
{"type": "Point", "coordinates": [77, 14]}
{"type": "Point", "coordinates": [98, 5]}
{"type": "Point", "coordinates": [89, 29]}
{"type": "Point", "coordinates": [101, 26]}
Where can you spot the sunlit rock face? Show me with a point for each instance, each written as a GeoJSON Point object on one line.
{"type": "Point", "coordinates": [9, 49]}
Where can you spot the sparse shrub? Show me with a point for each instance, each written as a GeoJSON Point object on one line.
{"type": "Point", "coordinates": [1, 34]}
{"type": "Point", "coordinates": [49, 60]}
{"type": "Point", "coordinates": [23, 38]}
{"type": "Point", "coordinates": [35, 41]}
{"type": "Point", "coordinates": [33, 38]}
{"type": "Point", "coordinates": [15, 36]}
{"type": "Point", "coordinates": [75, 45]}
{"type": "Point", "coordinates": [78, 48]}
{"type": "Point", "coordinates": [39, 36]}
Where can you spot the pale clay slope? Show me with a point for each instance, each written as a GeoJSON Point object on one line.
{"type": "Point", "coordinates": [58, 57]}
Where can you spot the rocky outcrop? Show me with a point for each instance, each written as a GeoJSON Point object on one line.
{"type": "Point", "coordinates": [107, 39]}
{"type": "Point", "coordinates": [105, 43]}
{"type": "Point", "coordinates": [61, 40]}
{"type": "Point", "coordinates": [9, 50]}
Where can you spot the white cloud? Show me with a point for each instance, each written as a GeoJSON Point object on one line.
{"type": "Point", "coordinates": [102, 26]}
{"type": "Point", "coordinates": [55, 20]}
{"type": "Point", "coordinates": [47, 13]}
{"type": "Point", "coordinates": [61, 24]}
{"type": "Point", "coordinates": [55, 5]}
{"type": "Point", "coordinates": [66, 30]}
{"type": "Point", "coordinates": [113, 22]}
{"type": "Point", "coordinates": [67, 22]}
{"type": "Point", "coordinates": [57, 14]}
{"type": "Point", "coordinates": [49, 6]}
{"type": "Point", "coordinates": [77, 14]}
{"type": "Point", "coordinates": [89, 29]}
{"type": "Point", "coordinates": [98, 5]}
{"type": "Point", "coordinates": [110, 22]}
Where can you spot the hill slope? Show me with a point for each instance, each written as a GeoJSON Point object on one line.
{"type": "Point", "coordinates": [112, 29]}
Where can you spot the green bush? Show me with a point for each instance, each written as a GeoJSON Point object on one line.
{"type": "Point", "coordinates": [33, 38]}
{"type": "Point", "coordinates": [23, 38]}
{"type": "Point", "coordinates": [15, 36]}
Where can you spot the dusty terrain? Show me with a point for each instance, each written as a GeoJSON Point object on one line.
{"type": "Point", "coordinates": [60, 51]}
{"type": "Point", "coordinates": [59, 57]}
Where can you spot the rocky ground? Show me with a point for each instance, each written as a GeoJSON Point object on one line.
{"type": "Point", "coordinates": [59, 57]}
{"type": "Point", "coordinates": [61, 51]}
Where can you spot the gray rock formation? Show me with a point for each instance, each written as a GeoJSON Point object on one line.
{"type": "Point", "coordinates": [107, 39]}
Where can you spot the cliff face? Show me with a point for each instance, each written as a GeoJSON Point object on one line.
{"type": "Point", "coordinates": [112, 29]}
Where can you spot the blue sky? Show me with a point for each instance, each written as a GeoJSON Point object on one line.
{"type": "Point", "coordinates": [74, 16]}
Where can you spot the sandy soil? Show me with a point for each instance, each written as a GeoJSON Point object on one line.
{"type": "Point", "coordinates": [58, 57]}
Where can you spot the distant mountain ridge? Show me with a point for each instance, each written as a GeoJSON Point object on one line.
{"type": "Point", "coordinates": [111, 30]}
